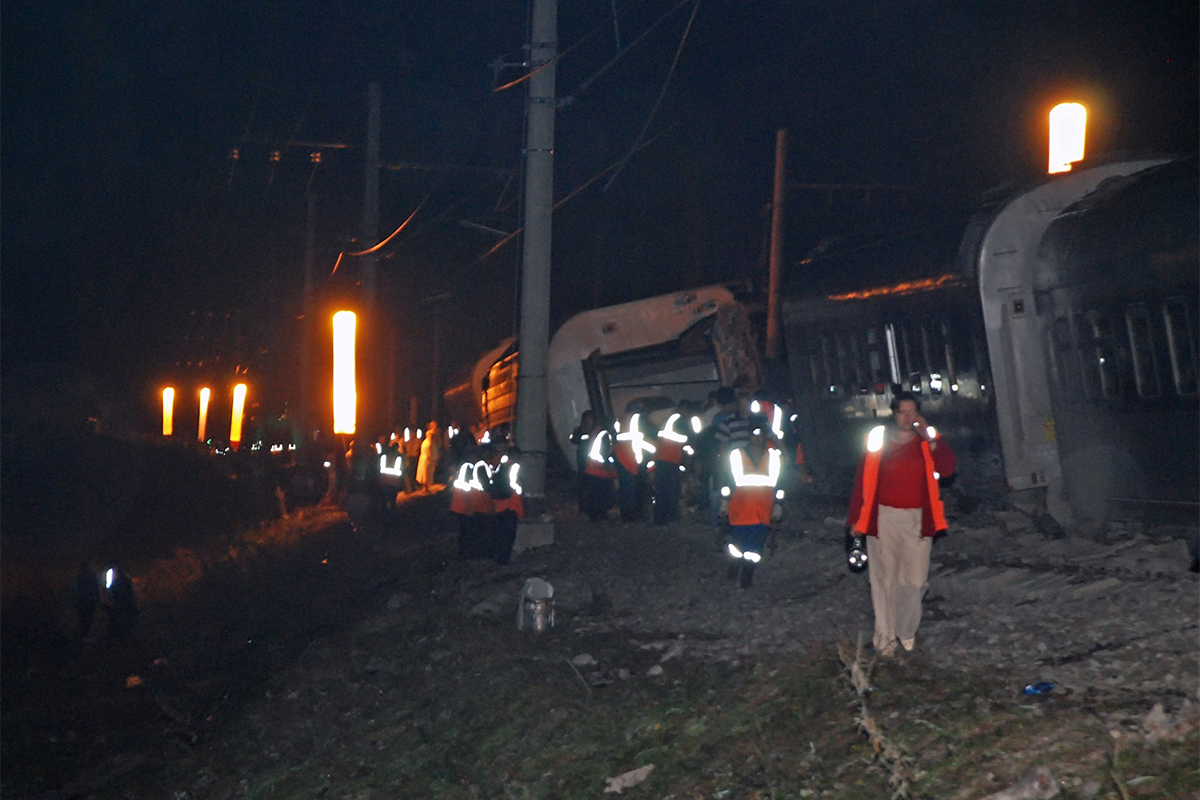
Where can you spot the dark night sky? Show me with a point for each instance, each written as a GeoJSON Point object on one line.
{"type": "Point", "coordinates": [124, 220]}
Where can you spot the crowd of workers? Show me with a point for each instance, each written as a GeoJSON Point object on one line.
{"type": "Point", "coordinates": [731, 457]}
{"type": "Point", "coordinates": [735, 458]}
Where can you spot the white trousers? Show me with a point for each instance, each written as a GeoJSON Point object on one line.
{"type": "Point", "coordinates": [898, 565]}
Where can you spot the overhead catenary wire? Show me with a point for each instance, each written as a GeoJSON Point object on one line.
{"type": "Point", "coordinates": [650, 118]}
{"type": "Point", "coordinates": [572, 194]}
{"type": "Point", "coordinates": [377, 247]}
{"type": "Point", "coordinates": [562, 54]}
{"type": "Point", "coordinates": [583, 87]}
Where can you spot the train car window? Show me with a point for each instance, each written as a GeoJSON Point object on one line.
{"type": "Point", "coordinates": [845, 365]}
{"type": "Point", "coordinates": [818, 375]}
{"type": "Point", "coordinates": [948, 349]}
{"type": "Point", "coordinates": [878, 381]}
{"type": "Point", "coordinates": [1063, 357]}
{"type": "Point", "coordinates": [913, 370]}
{"type": "Point", "coordinates": [910, 367]}
{"type": "Point", "coordinates": [1141, 347]}
{"type": "Point", "coordinates": [933, 347]}
{"type": "Point", "coordinates": [1099, 357]}
{"type": "Point", "coordinates": [930, 368]}
{"type": "Point", "coordinates": [893, 351]}
{"type": "Point", "coordinates": [1181, 346]}
{"type": "Point", "coordinates": [828, 359]}
{"type": "Point", "coordinates": [857, 357]}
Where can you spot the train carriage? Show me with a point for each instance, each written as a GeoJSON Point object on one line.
{"type": "Point", "coordinates": [1064, 342]}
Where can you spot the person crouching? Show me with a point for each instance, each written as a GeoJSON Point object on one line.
{"type": "Point", "coordinates": [751, 499]}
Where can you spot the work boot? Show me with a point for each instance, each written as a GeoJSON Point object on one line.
{"type": "Point", "coordinates": [747, 575]}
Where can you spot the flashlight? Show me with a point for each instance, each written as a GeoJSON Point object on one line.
{"type": "Point", "coordinates": [857, 556]}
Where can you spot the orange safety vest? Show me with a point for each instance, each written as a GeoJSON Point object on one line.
{"type": "Point", "coordinates": [599, 461]}
{"type": "Point", "coordinates": [774, 415]}
{"type": "Point", "coordinates": [876, 441]}
{"type": "Point", "coordinates": [631, 447]}
{"type": "Point", "coordinates": [460, 502]}
{"type": "Point", "coordinates": [507, 471]}
{"type": "Point", "coordinates": [671, 442]}
{"type": "Point", "coordinates": [754, 486]}
{"type": "Point", "coordinates": [390, 476]}
{"type": "Point", "coordinates": [479, 501]}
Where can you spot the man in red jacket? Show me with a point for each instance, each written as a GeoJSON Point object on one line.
{"type": "Point", "coordinates": [896, 505]}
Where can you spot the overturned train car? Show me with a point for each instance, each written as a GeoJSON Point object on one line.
{"type": "Point", "coordinates": [1064, 340]}
{"type": "Point", "coordinates": [657, 352]}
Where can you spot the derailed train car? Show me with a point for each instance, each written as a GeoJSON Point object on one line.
{"type": "Point", "coordinates": [657, 351]}
{"type": "Point", "coordinates": [1066, 336]}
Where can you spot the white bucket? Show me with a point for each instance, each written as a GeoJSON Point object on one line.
{"type": "Point", "coordinates": [535, 609]}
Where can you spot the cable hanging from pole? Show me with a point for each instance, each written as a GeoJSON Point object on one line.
{"type": "Point", "coordinates": [574, 192]}
{"type": "Point", "coordinates": [376, 248]}
{"type": "Point", "coordinates": [678, 51]}
{"type": "Point", "coordinates": [557, 58]}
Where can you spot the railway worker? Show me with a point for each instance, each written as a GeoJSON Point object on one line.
{"type": "Point", "coordinates": [411, 448]}
{"type": "Point", "coordinates": [796, 445]}
{"type": "Point", "coordinates": [896, 505]}
{"type": "Point", "coordinates": [471, 502]}
{"type": "Point", "coordinates": [508, 507]}
{"type": "Point", "coordinates": [431, 454]}
{"type": "Point", "coordinates": [668, 469]}
{"type": "Point", "coordinates": [121, 602]}
{"type": "Point", "coordinates": [581, 443]}
{"type": "Point", "coordinates": [762, 404]}
{"type": "Point", "coordinates": [730, 432]}
{"type": "Point", "coordinates": [633, 452]}
{"type": "Point", "coordinates": [598, 475]}
{"type": "Point", "coordinates": [751, 498]}
{"type": "Point", "coordinates": [391, 471]}
{"type": "Point", "coordinates": [85, 596]}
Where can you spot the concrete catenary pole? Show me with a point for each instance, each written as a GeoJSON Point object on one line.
{"type": "Point", "coordinates": [535, 257]}
{"type": "Point", "coordinates": [773, 281]}
{"type": "Point", "coordinates": [306, 415]}
{"type": "Point", "coordinates": [369, 328]}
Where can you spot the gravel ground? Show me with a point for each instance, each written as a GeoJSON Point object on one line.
{"type": "Point", "coordinates": [1099, 618]}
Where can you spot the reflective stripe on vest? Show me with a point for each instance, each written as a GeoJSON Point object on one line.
{"type": "Point", "coordinates": [598, 464]}
{"type": "Point", "coordinates": [671, 442]}
{"type": "Point", "coordinates": [754, 492]}
{"type": "Point", "coordinates": [772, 412]}
{"type": "Point", "coordinates": [935, 497]}
{"type": "Point", "coordinates": [870, 484]}
{"type": "Point", "coordinates": [737, 466]}
{"type": "Point", "coordinates": [870, 478]}
{"type": "Point", "coordinates": [632, 442]}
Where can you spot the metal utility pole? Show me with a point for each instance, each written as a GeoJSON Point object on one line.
{"type": "Point", "coordinates": [371, 199]}
{"type": "Point", "coordinates": [435, 391]}
{"type": "Point", "coordinates": [306, 416]}
{"type": "Point", "coordinates": [369, 330]}
{"type": "Point", "coordinates": [535, 256]}
{"type": "Point", "coordinates": [776, 245]}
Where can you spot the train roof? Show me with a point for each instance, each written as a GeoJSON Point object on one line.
{"type": "Point", "coordinates": [994, 200]}
{"type": "Point", "coordinates": [922, 247]}
{"type": "Point", "coordinates": [1144, 226]}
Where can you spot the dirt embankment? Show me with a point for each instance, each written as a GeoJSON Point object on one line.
{"type": "Point", "coordinates": [367, 663]}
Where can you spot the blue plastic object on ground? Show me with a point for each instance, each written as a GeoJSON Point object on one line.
{"type": "Point", "coordinates": [1039, 688]}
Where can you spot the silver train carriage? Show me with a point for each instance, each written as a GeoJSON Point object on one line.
{"type": "Point", "coordinates": [1065, 342]}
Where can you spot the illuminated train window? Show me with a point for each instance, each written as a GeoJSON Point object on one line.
{"type": "Point", "coordinates": [1098, 356]}
{"type": "Point", "coordinates": [1141, 346]}
{"type": "Point", "coordinates": [1181, 346]}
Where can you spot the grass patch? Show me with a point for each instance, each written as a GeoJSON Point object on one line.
{"type": "Point", "coordinates": [469, 708]}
